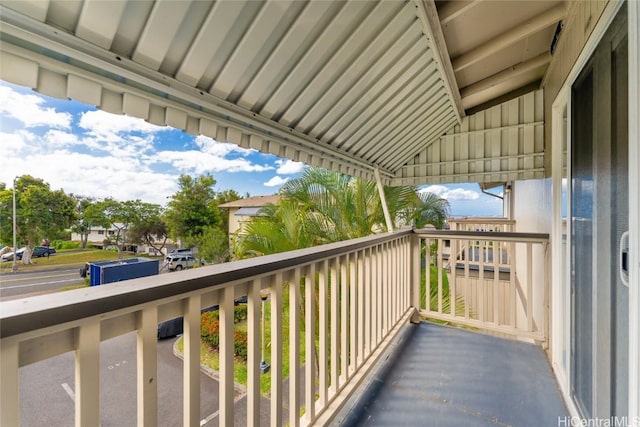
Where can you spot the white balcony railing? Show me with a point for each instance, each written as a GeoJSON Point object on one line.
{"type": "Point", "coordinates": [346, 302]}
{"type": "Point", "coordinates": [488, 224]}
{"type": "Point", "coordinates": [356, 292]}
{"type": "Point", "coordinates": [492, 281]}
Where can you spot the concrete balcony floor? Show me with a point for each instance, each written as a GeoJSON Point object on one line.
{"type": "Point", "coordinates": [444, 376]}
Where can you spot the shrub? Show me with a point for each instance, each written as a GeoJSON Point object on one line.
{"type": "Point", "coordinates": [210, 328]}
{"type": "Point", "coordinates": [64, 244]}
{"type": "Point", "coordinates": [240, 339]}
{"type": "Point", "coordinates": [240, 313]}
{"type": "Point", "coordinates": [210, 331]}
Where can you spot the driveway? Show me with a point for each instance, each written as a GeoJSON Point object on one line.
{"type": "Point", "coordinates": [47, 388]}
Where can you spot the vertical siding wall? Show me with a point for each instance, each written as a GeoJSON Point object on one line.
{"type": "Point", "coordinates": [532, 214]}
{"type": "Point", "coordinates": [503, 143]}
{"type": "Point", "coordinates": [582, 18]}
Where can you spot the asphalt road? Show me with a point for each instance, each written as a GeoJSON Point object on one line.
{"type": "Point", "coordinates": [13, 285]}
{"type": "Point", "coordinates": [47, 388]}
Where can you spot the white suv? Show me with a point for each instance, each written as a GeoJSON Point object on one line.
{"type": "Point", "coordinates": [179, 262]}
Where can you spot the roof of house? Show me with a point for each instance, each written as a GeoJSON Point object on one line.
{"type": "Point", "coordinates": [251, 212]}
{"type": "Point", "coordinates": [252, 202]}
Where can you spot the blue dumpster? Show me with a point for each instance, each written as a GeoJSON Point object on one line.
{"type": "Point", "coordinates": [103, 272]}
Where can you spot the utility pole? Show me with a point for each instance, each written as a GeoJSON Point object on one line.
{"type": "Point", "coordinates": [14, 266]}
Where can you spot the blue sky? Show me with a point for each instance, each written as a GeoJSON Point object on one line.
{"type": "Point", "coordinates": [89, 152]}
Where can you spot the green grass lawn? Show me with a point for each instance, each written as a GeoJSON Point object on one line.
{"type": "Point", "coordinates": [74, 258]}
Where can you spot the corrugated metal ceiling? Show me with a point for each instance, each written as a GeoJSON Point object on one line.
{"type": "Point", "coordinates": [350, 86]}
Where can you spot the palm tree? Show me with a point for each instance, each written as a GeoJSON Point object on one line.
{"type": "Point", "coordinates": [432, 209]}
{"type": "Point", "coordinates": [344, 208]}
{"type": "Point", "coordinates": [323, 207]}
{"type": "Point", "coordinates": [281, 228]}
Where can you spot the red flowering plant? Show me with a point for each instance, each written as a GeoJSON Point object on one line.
{"type": "Point", "coordinates": [210, 331]}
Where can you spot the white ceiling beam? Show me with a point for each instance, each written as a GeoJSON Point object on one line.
{"type": "Point", "coordinates": [486, 85]}
{"type": "Point", "coordinates": [428, 14]}
{"type": "Point", "coordinates": [98, 22]}
{"type": "Point", "coordinates": [36, 9]}
{"type": "Point", "coordinates": [452, 9]}
{"type": "Point", "coordinates": [510, 37]}
{"type": "Point", "coordinates": [221, 17]}
{"type": "Point", "coordinates": [160, 31]}
{"type": "Point", "coordinates": [174, 93]}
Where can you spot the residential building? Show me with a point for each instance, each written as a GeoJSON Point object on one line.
{"type": "Point", "coordinates": [98, 234]}
{"type": "Point", "coordinates": [242, 211]}
{"type": "Point", "coordinates": [543, 96]}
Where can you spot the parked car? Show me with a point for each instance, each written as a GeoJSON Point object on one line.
{"type": "Point", "coordinates": [9, 255]}
{"type": "Point", "coordinates": [40, 251]}
{"type": "Point", "coordinates": [173, 327]}
{"type": "Point", "coordinates": [179, 262]}
{"type": "Point", "coordinates": [181, 251]}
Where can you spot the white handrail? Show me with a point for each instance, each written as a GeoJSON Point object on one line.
{"type": "Point", "coordinates": [346, 302]}
{"type": "Point", "coordinates": [494, 281]}
{"type": "Point", "coordinates": [373, 302]}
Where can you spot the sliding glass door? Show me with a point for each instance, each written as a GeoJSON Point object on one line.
{"type": "Point", "coordinates": [599, 217]}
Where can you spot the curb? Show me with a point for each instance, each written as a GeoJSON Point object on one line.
{"type": "Point", "coordinates": [239, 390]}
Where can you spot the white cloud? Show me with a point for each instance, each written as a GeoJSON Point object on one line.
{"type": "Point", "coordinates": [109, 155]}
{"type": "Point", "coordinates": [289, 167]}
{"type": "Point", "coordinates": [451, 194]}
{"type": "Point", "coordinates": [275, 181]}
{"type": "Point", "coordinates": [57, 138]}
{"type": "Point", "coordinates": [97, 177]}
{"type": "Point", "coordinates": [199, 162]}
{"type": "Point", "coordinates": [28, 109]}
{"type": "Point", "coordinates": [13, 143]}
{"type": "Point", "coordinates": [106, 125]}
{"type": "Point", "coordinates": [126, 145]}
{"type": "Point", "coordinates": [117, 135]}
{"type": "Point", "coordinates": [220, 149]}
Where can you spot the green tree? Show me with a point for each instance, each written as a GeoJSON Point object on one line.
{"type": "Point", "coordinates": [323, 206]}
{"type": "Point", "coordinates": [222, 197]}
{"type": "Point", "coordinates": [192, 209]}
{"type": "Point", "coordinates": [213, 245]}
{"type": "Point", "coordinates": [432, 209]}
{"type": "Point", "coordinates": [283, 227]}
{"type": "Point", "coordinates": [344, 208]}
{"type": "Point", "coordinates": [83, 222]}
{"type": "Point", "coordinates": [117, 216]}
{"type": "Point", "coordinates": [40, 213]}
{"type": "Point", "coordinates": [6, 217]}
{"type": "Point", "coordinates": [149, 228]}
